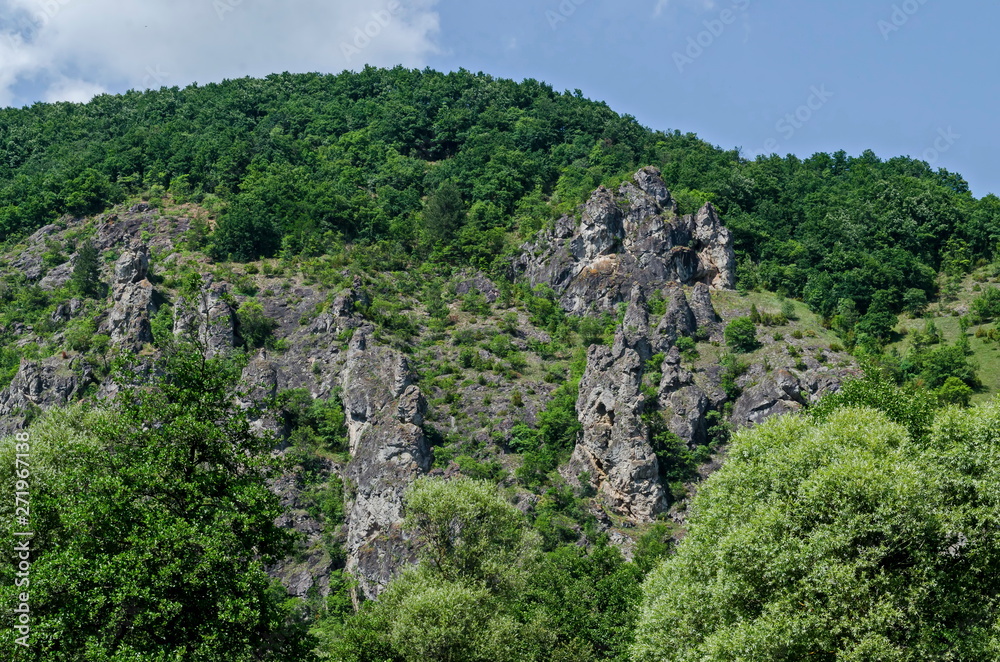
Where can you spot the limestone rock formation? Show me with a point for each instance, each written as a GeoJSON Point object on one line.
{"type": "Point", "coordinates": [614, 446]}
{"type": "Point", "coordinates": [705, 316]}
{"type": "Point", "coordinates": [626, 237]}
{"type": "Point", "coordinates": [679, 320]}
{"type": "Point", "coordinates": [776, 394]}
{"type": "Point", "coordinates": [52, 382]}
{"type": "Point", "coordinates": [785, 391]}
{"type": "Point", "coordinates": [210, 318]}
{"type": "Point", "coordinates": [128, 323]}
{"type": "Point", "coordinates": [384, 411]}
{"type": "Point", "coordinates": [683, 403]}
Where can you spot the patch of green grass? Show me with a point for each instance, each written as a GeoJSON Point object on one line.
{"type": "Point", "coordinates": [986, 355]}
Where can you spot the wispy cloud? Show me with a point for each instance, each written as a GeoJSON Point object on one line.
{"type": "Point", "coordinates": [69, 49]}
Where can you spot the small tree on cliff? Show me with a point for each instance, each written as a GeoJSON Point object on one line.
{"type": "Point", "coordinates": [86, 278]}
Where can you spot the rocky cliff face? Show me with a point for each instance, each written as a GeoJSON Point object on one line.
{"type": "Point", "coordinates": [40, 385]}
{"type": "Point", "coordinates": [626, 237]}
{"type": "Point", "coordinates": [613, 453]}
{"type": "Point", "coordinates": [385, 411]}
{"type": "Point", "coordinates": [629, 246]}
{"type": "Point", "coordinates": [209, 317]}
{"type": "Point", "coordinates": [128, 323]}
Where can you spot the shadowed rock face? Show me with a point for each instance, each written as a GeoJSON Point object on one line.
{"type": "Point", "coordinates": [678, 321]}
{"type": "Point", "coordinates": [385, 412]}
{"type": "Point", "coordinates": [627, 237]}
{"type": "Point", "coordinates": [682, 402]}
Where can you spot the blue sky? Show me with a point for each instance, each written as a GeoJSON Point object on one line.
{"type": "Point", "coordinates": [913, 77]}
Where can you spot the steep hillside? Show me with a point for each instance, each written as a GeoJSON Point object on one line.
{"type": "Point", "coordinates": [423, 276]}
{"type": "Point", "coordinates": [619, 376]}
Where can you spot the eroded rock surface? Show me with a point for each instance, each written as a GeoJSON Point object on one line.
{"type": "Point", "coordinates": [627, 237]}
{"type": "Point", "coordinates": [53, 382]}
{"type": "Point", "coordinates": [209, 317]}
{"type": "Point", "coordinates": [385, 412]}
{"type": "Point", "coordinates": [614, 445]}
{"type": "Point", "coordinates": [683, 403]}
{"type": "Point", "coordinates": [128, 323]}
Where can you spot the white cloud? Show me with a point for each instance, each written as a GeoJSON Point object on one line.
{"type": "Point", "coordinates": [67, 49]}
{"type": "Point", "coordinates": [75, 90]}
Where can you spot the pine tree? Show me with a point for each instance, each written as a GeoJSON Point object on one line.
{"type": "Point", "coordinates": [86, 278]}
{"type": "Point", "coordinates": [444, 214]}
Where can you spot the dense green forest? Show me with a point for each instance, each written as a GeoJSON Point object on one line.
{"type": "Point", "coordinates": [858, 529]}
{"type": "Point", "coordinates": [456, 167]}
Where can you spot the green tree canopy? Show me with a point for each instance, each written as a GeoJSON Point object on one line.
{"type": "Point", "coordinates": [444, 214]}
{"type": "Point", "coordinates": [838, 540]}
{"type": "Point", "coordinates": [86, 277]}
{"type": "Point", "coordinates": [741, 335]}
{"type": "Point", "coordinates": [153, 526]}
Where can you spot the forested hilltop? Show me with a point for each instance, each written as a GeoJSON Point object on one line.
{"type": "Point", "coordinates": [306, 162]}
{"type": "Point", "coordinates": [403, 366]}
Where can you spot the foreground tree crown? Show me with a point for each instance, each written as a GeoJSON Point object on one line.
{"type": "Point", "coordinates": [844, 539]}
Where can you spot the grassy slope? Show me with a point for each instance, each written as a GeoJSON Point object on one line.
{"type": "Point", "coordinates": [945, 316]}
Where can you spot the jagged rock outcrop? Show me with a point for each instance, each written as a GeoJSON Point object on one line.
{"type": "Point", "coordinates": [626, 237]}
{"type": "Point", "coordinates": [784, 391]}
{"type": "Point", "coordinates": [682, 402]}
{"type": "Point", "coordinates": [341, 314]}
{"type": "Point", "coordinates": [115, 228]}
{"type": "Point", "coordinates": [478, 283]}
{"type": "Point", "coordinates": [777, 393]}
{"type": "Point", "coordinates": [634, 331]}
{"type": "Point", "coordinates": [57, 277]}
{"type": "Point", "coordinates": [614, 446]}
{"type": "Point", "coordinates": [210, 318]}
{"type": "Point", "coordinates": [704, 313]}
{"type": "Point", "coordinates": [311, 566]}
{"type": "Point", "coordinates": [261, 378]}
{"type": "Point", "coordinates": [128, 323]}
{"type": "Point", "coordinates": [384, 411]}
{"type": "Point", "coordinates": [29, 262]}
{"type": "Point", "coordinates": [43, 384]}
{"type": "Point", "coordinates": [679, 320]}
{"type": "Point", "coordinates": [67, 310]}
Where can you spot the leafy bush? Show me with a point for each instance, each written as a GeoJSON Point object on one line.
{"type": "Point", "coordinates": [687, 347]}
{"type": "Point", "coordinates": [741, 335]}
{"type": "Point", "coordinates": [986, 306]}
{"type": "Point", "coordinates": [474, 302]}
{"type": "Point", "coordinates": [255, 327]}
